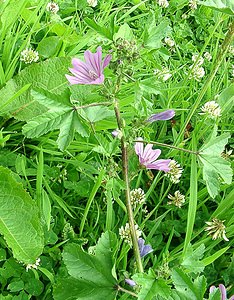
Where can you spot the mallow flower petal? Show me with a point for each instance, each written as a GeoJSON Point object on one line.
{"type": "Point", "coordinates": [223, 291]}
{"type": "Point", "coordinates": [90, 71]}
{"type": "Point", "coordinates": [130, 282]}
{"type": "Point", "coordinates": [161, 164]}
{"type": "Point", "coordinates": [92, 61]}
{"type": "Point", "coordinates": [74, 80]}
{"type": "Point", "coordinates": [106, 61]}
{"type": "Point", "coordinates": [165, 115]}
{"type": "Point", "coordinates": [139, 147]}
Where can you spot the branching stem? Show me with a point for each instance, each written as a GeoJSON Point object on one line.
{"type": "Point", "coordinates": [119, 288]}
{"type": "Point", "coordinates": [169, 146]}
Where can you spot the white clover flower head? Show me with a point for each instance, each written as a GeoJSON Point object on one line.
{"type": "Point", "coordinates": [52, 7]}
{"type": "Point", "coordinates": [200, 60]}
{"type": "Point", "coordinates": [232, 70]}
{"type": "Point", "coordinates": [33, 266]}
{"type": "Point", "coordinates": [178, 199]}
{"type": "Point", "coordinates": [29, 55]}
{"type": "Point", "coordinates": [92, 3]}
{"type": "Point", "coordinates": [163, 3]}
{"type": "Point", "coordinates": [208, 56]}
{"type": "Point", "coordinates": [175, 172]}
{"type": "Point", "coordinates": [184, 16]}
{"type": "Point", "coordinates": [137, 197]}
{"type": "Point", "coordinates": [125, 233]}
{"type": "Point", "coordinates": [193, 4]}
{"type": "Point", "coordinates": [197, 72]}
{"type": "Point", "coordinates": [211, 109]}
{"type": "Point", "coordinates": [170, 42]}
{"type": "Point", "coordinates": [231, 50]}
{"type": "Point", "coordinates": [165, 74]}
{"type": "Point", "coordinates": [216, 229]}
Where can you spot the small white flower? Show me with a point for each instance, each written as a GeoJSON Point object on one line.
{"type": "Point", "coordinates": [197, 73]}
{"type": "Point", "coordinates": [200, 60]}
{"type": "Point", "coordinates": [29, 56]}
{"type": "Point", "coordinates": [212, 109]}
{"type": "Point", "coordinates": [178, 199]}
{"type": "Point", "coordinates": [207, 56]}
{"type": "Point", "coordinates": [164, 74]}
{"type": "Point", "coordinates": [52, 7]}
{"type": "Point", "coordinates": [169, 42]}
{"type": "Point", "coordinates": [232, 70]}
{"type": "Point", "coordinates": [216, 229]}
{"type": "Point", "coordinates": [231, 50]}
{"type": "Point", "coordinates": [137, 197]}
{"type": "Point", "coordinates": [184, 16]}
{"type": "Point", "coordinates": [125, 233]}
{"type": "Point", "coordinates": [33, 266]}
{"type": "Point", "coordinates": [193, 4]}
{"type": "Point", "coordinates": [175, 172]}
{"type": "Point", "coordinates": [163, 3]}
{"type": "Point", "coordinates": [92, 3]}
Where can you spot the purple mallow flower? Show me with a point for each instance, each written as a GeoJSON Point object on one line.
{"type": "Point", "coordinates": [162, 116]}
{"type": "Point", "coordinates": [222, 291]}
{"type": "Point", "coordinates": [148, 157]}
{"type": "Point", "coordinates": [144, 249]}
{"type": "Point", "coordinates": [90, 71]}
{"type": "Point", "coordinates": [130, 282]}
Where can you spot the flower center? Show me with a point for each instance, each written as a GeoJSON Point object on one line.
{"type": "Point", "coordinates": [92, 74]}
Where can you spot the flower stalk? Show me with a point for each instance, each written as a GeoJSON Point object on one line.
{"type": "Point", "coordinates": [124, 151]}
{"type": "Point", "coordinates": [119, 288]}
{"type": "Point", "coordinates": [169, 146]}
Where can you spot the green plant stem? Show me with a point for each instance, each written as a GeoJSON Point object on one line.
{"type": "Point", "coordinates": [168, 146]}
{"type": "Point", "coordinates": [124, 151]}
{"type": "Point", "coordinates": [119, 288]}
{"type": "Point", "coordinates": [219, 59]}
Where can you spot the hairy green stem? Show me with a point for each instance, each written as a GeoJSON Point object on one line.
{"type": "Point", "coordinates": [119, 288]}
{"type": "Point", "coordinates": [219, 59]}
{"type": "Point", "coordinates": [124, 151]}
{"type": "Point", "coordinates": [169, 146]}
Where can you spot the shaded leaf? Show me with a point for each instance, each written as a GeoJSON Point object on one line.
{"type": "Point", "coordinates": [49, 75]}
{"type": "Point", "coordinates": [151, 287]}
{"type": "Point", "coordinates": [155, 34]}
{"type": "Point", "coordinates": [192, 259]}
{"type": "Point", "coordinates": [225, 6]}
{"type": "Point", "coordinates": [17, 207]}
{"type": "Point", "coordinates": [97, 113]}
{"type": "Point", "coordinates": [184, 285]}
{"type": "Point", "coordinates": [214, 166]}
{"type": "Point", "coordinates": [74, 289]}
{"type": "Point", "coordinates": [90, 275]}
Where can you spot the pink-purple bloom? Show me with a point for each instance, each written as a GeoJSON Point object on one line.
{"type": "Point", "coordinates": [222, 291]}
{"type": "Point", "coordinates": [90, 71]}
{"type": "Point", "coordinates": [130, 282]}
{"type": "Point", "coordinates": [144, 249]}
{"type": "Point", "coordinates": [162, 116]}
{"type": "Point", "coordinates": [148, 157]}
